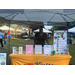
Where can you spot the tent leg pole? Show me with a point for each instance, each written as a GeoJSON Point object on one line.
{"type": "Point", "coordinates": [8, 59]}
{"type": "Point", "coordinates": [67, 32]}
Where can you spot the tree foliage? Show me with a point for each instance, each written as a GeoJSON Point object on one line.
{"type": "Point", "coordinates": [1, 23]}
{"type": "Point", "coordinates": [57, 28]}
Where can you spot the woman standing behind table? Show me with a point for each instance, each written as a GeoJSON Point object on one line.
{"type": "Point", "coordinates": [5, 40]}
{"type": "Point", "coordinates": [40, 38]}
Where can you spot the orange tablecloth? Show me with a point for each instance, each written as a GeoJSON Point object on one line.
{"type": "Point", "coordinates": [39, 59]}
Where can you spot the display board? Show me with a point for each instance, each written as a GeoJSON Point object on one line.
{"type": "Point", "coordinates": [3, 57]}
{"type": "Point", "coordinates": [60, 41]}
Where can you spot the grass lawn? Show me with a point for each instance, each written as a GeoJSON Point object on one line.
{"type": "Point", "coordinates": [23, 43]}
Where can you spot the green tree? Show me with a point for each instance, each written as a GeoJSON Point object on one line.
{"type": "Point", "coordinates": [1, 23]}
{"type": "Point", "coordinates": [57, 28]}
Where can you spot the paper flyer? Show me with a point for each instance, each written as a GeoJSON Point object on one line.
{"type": "Point", "coordinates": [38, 49]}
{"type": "Point", "coordinates": [29, 49]}
{"type": "Point", "coordinates": [14, 50]}
{"type": "Point", "coordinates": [20, 50]}
{"type": "Point", "coordinates": [47, 49]}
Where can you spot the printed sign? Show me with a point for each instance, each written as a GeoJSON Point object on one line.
{"type": "Point", "coordinates": [38, 49]}
{"type": "Point", "coordinates": [47, 49]}
{"type": "Point", "coordinates": [3, 58]}
{"type": "Point", "coordinates": [14, 50]}
{"type": "Point", "coordinates": [29, 49]}
{"type": "Point", "coordinates": [20, 50]}
{"type": "Point", "coordinates": [60, 41]}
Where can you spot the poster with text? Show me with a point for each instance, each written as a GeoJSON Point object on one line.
{"type": "Point", "coordinates": [29, 49]}
{"type": "Point", "coordinates": [47, 49]}
{"type": "Point", "coordinates": [60, 41]}
{"type": "Point", "coordinates": [38, 49]}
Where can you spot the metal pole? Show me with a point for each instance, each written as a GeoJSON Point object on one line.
{"type": "Point", "coordinates": [9, 38]}
{"type": "Point", "coordinates": [52, 17]}
{"type": "Point", "coordinates": [9, 46]}
{"type": "Point", "coordinates": [67, 24]}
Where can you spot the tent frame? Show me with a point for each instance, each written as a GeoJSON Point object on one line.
{"type": "Point", "coordinates": [9, 38]}
{"type": "Point", "coordinates": [31, 23]}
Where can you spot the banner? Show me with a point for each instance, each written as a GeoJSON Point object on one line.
{"type": "Point", "coordinates": [37, 59]}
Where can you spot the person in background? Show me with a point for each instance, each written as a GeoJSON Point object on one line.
{"type": "Point", "coordinates": [5, 40]}
{"type": "Point", "coordinates": [8, 32]}
{"type": "Point", "coordinates": [32, 36]}
{"type": "Point", "coordinates": [1, 38]}
{"type": "Point", "coordinates": [49, 36]}
{"type": "Point", "coordinates": [40, 38]}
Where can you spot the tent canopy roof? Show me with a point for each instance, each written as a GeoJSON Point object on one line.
{"type": "Point", "coordinates": [32, 16]}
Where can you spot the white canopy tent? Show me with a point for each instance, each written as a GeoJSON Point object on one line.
{"type": "Point", "coordinates": [5, 28]}
{"type": "Point", "coordinates": [44, 30]}
{"type": "Point", "coordinates": [72, 30]}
